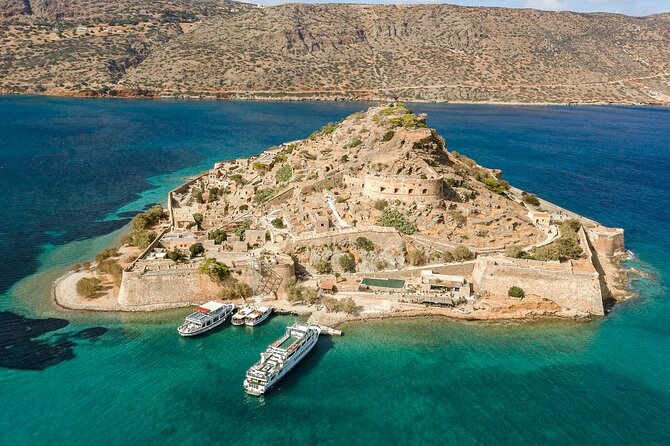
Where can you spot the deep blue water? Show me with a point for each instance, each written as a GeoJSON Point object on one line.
{"type": "Point", "coordinates": [72, 170]}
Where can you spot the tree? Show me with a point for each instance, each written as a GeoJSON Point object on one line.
{"type": "Point", "coordinates": [415, 257]}
{"type": "Point", "coordinates": [216, 270]}
{"type": "Point", "coordinates": [347, 263]}
{"type": "Point", "coordinates": [310, 296]}
{"type": "Point", "coordinates": [198, 219]}
{"type": "Point", "coordinates": [196, 249]}
{"type": "Point", "coordinates": [278, 222]}
{"type": "Point", "coordinates": [295, 293]}
{"type": "Point", "coordinates": [239, 290]}
{"type": "Point", "coordinates": [242, 228]}
{"type": "Point", "coordinates": [331, 304]}
{"type": "Point", "coordinates": [348, 305]}
{"type": "Point", "coordinates": [323, 267]}
{"type": "Point", "coordinates": [175, 256]}
{"type": "Point", "coordinates": [365, 244]}
{"type": "Point", "coordinates": [88, 287]}
{"type": "Point", "coordinates": [111, 267]}
{"type": "Point", "coordinates": [218, 235]}
{"type": "Point", "coordinates": [461, 252]}
{"type": "Point", "coordinates": [495, 185]}
{"type": "Point", "coordinates": [516, 292]}
{"type": "Point", "coordinates": [531, 199]}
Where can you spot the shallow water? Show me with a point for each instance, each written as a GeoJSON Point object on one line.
{"type": "Point", "coordinates": [73, 169]}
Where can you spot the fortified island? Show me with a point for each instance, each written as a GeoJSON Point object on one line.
{"type": "Point", "coordinates": [369, 217]}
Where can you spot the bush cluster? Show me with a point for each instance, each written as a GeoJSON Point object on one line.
{"type": "Point", "coordinates": [393, 218]}
{"type": "Point", "coordinates": [284, 173]}
{"type": "Point", "coordinates": [88, 287]}
{"type": "Point", "coordinates": [216, 270]}
{"type": "Point", "coordinates": [346, 305]}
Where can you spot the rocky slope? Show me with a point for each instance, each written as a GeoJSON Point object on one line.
{"type": "Point", "coordinates": [422, 52]}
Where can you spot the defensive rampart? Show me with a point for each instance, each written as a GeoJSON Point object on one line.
{"type": "Point", "coordinates": [403, 188]}
{"type": "Point", "coordinates": [572, 290]}
{"type": "Point", "coordinates": [164, 289]}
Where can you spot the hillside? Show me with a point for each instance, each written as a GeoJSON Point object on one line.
{"type": "Point", "coordinates": [85, 47]}
{"type": "Point", "coordinates": [333, 51]}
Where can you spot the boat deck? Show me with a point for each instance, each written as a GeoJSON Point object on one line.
{"type": "Point", "coordinates": [288, 342]}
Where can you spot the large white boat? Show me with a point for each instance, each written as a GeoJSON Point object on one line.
{"type": "Point", "coordinates": [258, 315]}
{"type": "Point", "coordinates": [280, 357]}
{"type": "Point", "coordinates": [241, 315]}
{"type": "Point", "coordinates": [205, 317]}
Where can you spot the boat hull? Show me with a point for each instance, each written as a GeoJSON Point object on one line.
{"type": "Point", "coordinates": [204, 329]}
{"type": "Point", "coordinates": [257, 321]}
{"type": "Point", "coordinates": [258, 392]}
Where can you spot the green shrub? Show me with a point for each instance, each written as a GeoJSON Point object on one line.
{"type": "Point", "coordinates": [218, 235]}
{"type": "Point", "coordinates": [365, 244]}
{"type": "Point", "coordinates": [88, 287]}
{"type": "Point", "coordinates": [323, 267]}
{"type": "Point", "coordinates": [495, 185]}
{"type": "Point", "coordinates": [111, 267]}
{"type": "Point", "coordinates": [243, 207]}
{"type": "Point", "coordinates": [216, 270]}
{"type": "Point", "coordinates": [415, 257]}
{"type": "Point", "coordinates": [565, 248]}
{"type": "Point", "coordinates": [395, 219]}
{"type": "Point", "coordinates": [355, 143]}
{"type": "Point", "coordinates": [388, 136]}
{"type": "Point", "coordinates": [461, 252]}
{"type": "Point", "coordinates": [516, 292]}
{"type": "Point", "coordinates": [198, 219]}
{"type": "Point", "coordinates": [239, 290]}
{"type": "Point", "coordinates": [347, 263]}
{"type": "Point", "coordinates": [572, 225]}
{"type": "Point", "coordinates": [408, 121]}
{"type": "Point", "coordinates": [242, 228]}
{"type": "Point", "coordinates": [278, 223]}
{"type": "Point", "coordinates": [196, 249]}
{"type": "Point", "coordinates": [380, 205]}
{"type": "Point", "coordinates": [263, 195]}
{"type": "Point", "coordinates": [531, 199]}
{"type": "Point", "coordinates": [107, 253]}
{"type": "Point", "coordinates": [284, 173]}
{"type": "Point", "coordinates": [175, 256]}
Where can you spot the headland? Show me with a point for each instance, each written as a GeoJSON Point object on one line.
{"type": "Point", "coordinates": [370, 217]}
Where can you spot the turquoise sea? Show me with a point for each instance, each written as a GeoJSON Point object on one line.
{"type": "Point", "coordinates": [72, 171]}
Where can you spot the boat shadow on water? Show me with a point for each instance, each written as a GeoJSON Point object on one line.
{"type": "Point", "coordinates": [296, 377]}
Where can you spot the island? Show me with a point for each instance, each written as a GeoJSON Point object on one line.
{"type": "Point", "coordinates": [369, 217]}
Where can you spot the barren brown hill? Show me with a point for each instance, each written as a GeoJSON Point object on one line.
{"type": "Point", "coordinates": [84, 47]}
{"type": "Point", "coordinates": [332, 51]}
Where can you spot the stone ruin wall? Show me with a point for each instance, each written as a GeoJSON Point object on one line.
{"type": "Point", "coordinates": [404, 189]}
{"type": "Point", "coordinates": [607, 241]}
{"type": "Point", "coordinates": [572, 291]}
{"type": "Point", "coordinates": [380, 236]}
{"type": "Point", "coordinates": [186, 286]}
{"type": "Point", "coordinates": [325, 183]}
{"type": "Point", "coordinates": [165, 289]}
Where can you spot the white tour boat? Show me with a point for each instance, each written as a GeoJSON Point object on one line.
{"type": "Point", "coordinates": [242, 313]}
{"type": "Point", "coordinates": [205, 317]}
{"type": "Point", "coordinates": [280, 357]}
{"type": "Point", "coordinates": [257, 316]}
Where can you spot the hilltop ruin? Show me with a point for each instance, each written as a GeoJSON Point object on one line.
{"type": "Point", "coordinates": [374, 207]}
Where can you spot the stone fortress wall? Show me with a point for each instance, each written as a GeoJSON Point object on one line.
{"type": "Point", "coordinates": [164, 289]}
{"type": "Point", "coordinates": [580, 291]}
{"type": "Point", "coordinates": [399, 188]}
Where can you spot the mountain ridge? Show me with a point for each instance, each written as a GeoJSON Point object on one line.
{"type": "Point", "coordinates": [410, 52]}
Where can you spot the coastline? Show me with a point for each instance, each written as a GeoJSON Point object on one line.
{"type": "Point", "coordinates": [486, 305]}
{"type": "Point", "coordinates": [334, 98]}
